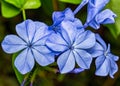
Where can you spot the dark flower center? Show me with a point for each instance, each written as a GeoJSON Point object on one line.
{"type": "Point", "coordinates": [30, 45]}
{"type": "Point", "coordinates": [71, 47]}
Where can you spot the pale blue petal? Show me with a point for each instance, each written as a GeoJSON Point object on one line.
{"type": "Point", "coordinates": [24, 62]}
{"type": "Point", "coordinates": [26, 30]}
{"type": "Point", "coordinates": [42, 49]}
{"type": "Point", "coordinates": [107, 18]}
{"type": "Point", "coordinates": [113, 57]}
{"type": "Point", "coordinates": [77, 23]}
{"type": "Point", "coordinates": [83, 58]}
{"type": "Point", "coordinates": [113, 68]}
{"type": "Point", "coordinates": [66, 62]}
{"type": "Point", "coordinates": [42, 57]}
{"type": "Point", "coordinates": [79, 31]}
{"type": "Point", "coordinates": [101, 41]}
{"type": "Point", "coordinates": [68, 14]}
{"type": "Point", "coordinates": [87, 41]}
{"type": "Point", "coordinates": [68, 31]}
{"type": "Point", "coordinates": [56, 43]}
{"type": "Point", "coordinates": [59, 16]}
{"type": "Point", "coordinates": [12, 44]}
{"type": "Point", "coordinates": [41, 33]}
{"type": "Point", "coordinates": [102, 66]}
{"type": "Point", "coordinates": [80, 36]}
{"type": "Point", "coordinates": [77, 70]}
{"type": "Point", "coordinates": [40, 25]}
{"type": "Point", "coordinates": [97, 50]}
{"type": "Point", "coordinates": [40, 42]}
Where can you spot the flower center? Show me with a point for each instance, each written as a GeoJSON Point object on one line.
{"type": "Point", "coordinates": [29, 45]}
{"type": "Point", "coordinates": [71, 47]}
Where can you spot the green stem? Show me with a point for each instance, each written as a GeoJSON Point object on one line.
{"type": "Point", "coordinates": [50, 69]}
{"type": "Point", "coordinates": [34, 75]}
{"type": "Point", "coordinates": [24, 15]}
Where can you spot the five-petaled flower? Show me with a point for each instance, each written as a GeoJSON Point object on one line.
{"type": "Point", "coordinates": [31, 44]}
{"type": "Point", "coordinates": [105, 60]}
{"type": "Point", "coordinates": [71, 44]}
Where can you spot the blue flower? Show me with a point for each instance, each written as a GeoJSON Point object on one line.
{"type": "Point", "coordinates": [105, 61]}
{"type": "Point", "coordinates": [71, 44]}
{"type": "Point", "coordinates": [66, 15]}
{"type": "Point", "coordinates": [96, 16]}
{"type": "Point", "coordinates": [31, 42]}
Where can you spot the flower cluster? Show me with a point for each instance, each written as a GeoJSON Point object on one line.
{"type": "Point", "coordinates": [66, 40]}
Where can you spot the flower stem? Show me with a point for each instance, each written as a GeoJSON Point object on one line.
{"type": "Point", "coordinates": [34, 75]}
{"type": "Point", "coordinates": [55, 5]}
{"type": "Point", "coordinates": [84, 2]}
{"type": "Point", "coordinates": [24, 15]}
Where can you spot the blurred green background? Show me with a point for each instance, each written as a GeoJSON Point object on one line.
{"type": "Point", "coordinates": [110, 33]}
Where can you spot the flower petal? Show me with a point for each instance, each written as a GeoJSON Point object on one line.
{"type": "Point", "coordinates": [26, 30]}
{"type": "Point", "coordinates": [66, 62]}
{"type": "Point", "coordinates": [78, 23]}
{"type": "Point", "coordinates": [68, 31]}
{"type": "Point", "coordinates": [12, 44]}
{"type": "Point", "coordinates": [42, 49]}
{"type": "Point", "coordinates": [102, 66]}
{"type": "Point", "coordinates": [97, 50]}
{"type": "Point", "coordinates": [24, 62]}
{"type": "Point", "coordinates": [58, 16]}
{"type": "Point", "coordinates": [85, 40]}
{"type": "Point", "coordinates": [106, 19]}
{"type": "Point", "coordinates": [77, 70]}
{"type": "Point", "coordinates": [56, 43]}
{"type": "Point", "coordinates": [113, 68]}
{"type": "Point", "coordinates": [83, 58]}
{"type": "Point", "coordinates": [101, 41]}
{"type": "Point", "coordinates": [113, 57]}
{"type": "Point", "coordinates": [42, 57]}
{"type": "Point", "coordinates": [41, 31]}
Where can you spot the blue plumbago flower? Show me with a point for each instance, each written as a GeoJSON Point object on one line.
{"type": "Point", "coordinates": [65, 15]}
{"type": "Point", "coordinates": [31, 43]}
{"type": "Point", "coordinates": [95, 17]}
{"type": "Point", "coordinates": [71, 43]}
{"type": "Point", "coordinates": [105, 61]}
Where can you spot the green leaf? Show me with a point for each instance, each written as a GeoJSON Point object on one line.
{"type": "Point", "coordinates": [114, 5]}
{"type": "Point", "coordinates": [71, 1]}
{"type": "Point", "coordinates": [11, 8]}
{"type": "Point", "coordinates": [16, 3]}
{"type": "Point", "coordinates": [32, 4]}
{"type": "Point", "coordinates": [19, 76]}
{"type": "Point", "coordinates": [25, 4]}
{"type": "Point", "coordinates": [8, 10]}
